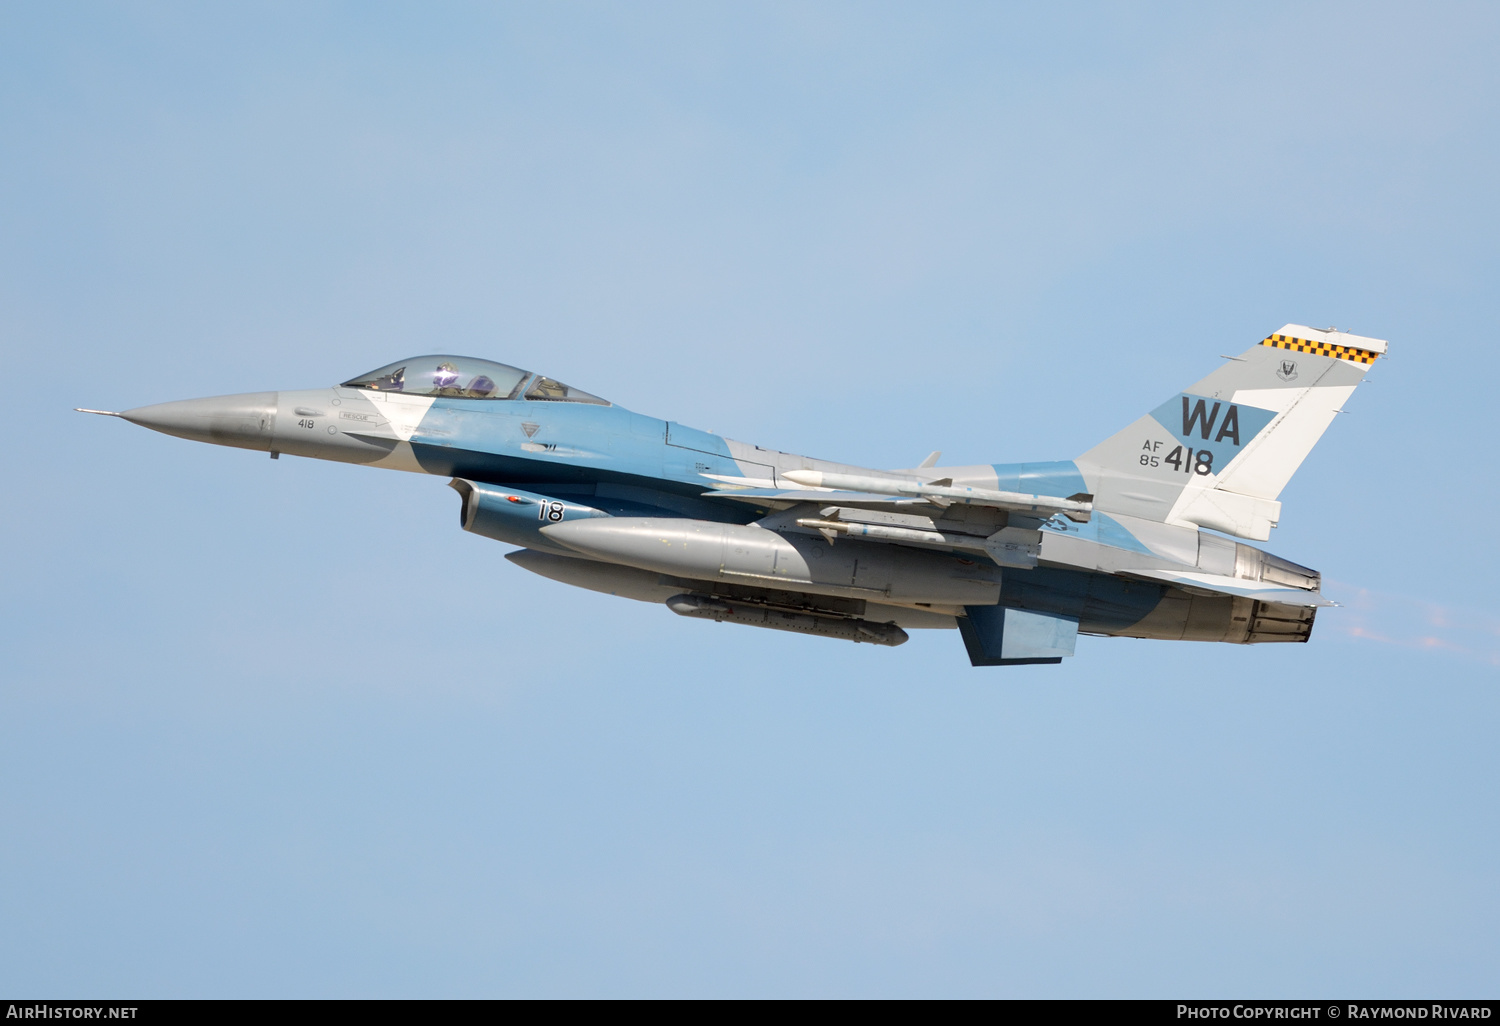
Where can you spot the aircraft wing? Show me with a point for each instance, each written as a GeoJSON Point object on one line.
{"type": "Point", "coordinates": [822, 496]}
{"type": "Point", "coordinates": [900, 497]}
{"type": "Point", "coordinates": [871, 490]}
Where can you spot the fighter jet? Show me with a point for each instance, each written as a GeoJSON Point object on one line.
{"type": "Point", "coordinates": [1134, 538]}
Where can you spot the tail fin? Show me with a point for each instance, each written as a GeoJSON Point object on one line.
{"type": "Point", "coordinates": [1219, 454]}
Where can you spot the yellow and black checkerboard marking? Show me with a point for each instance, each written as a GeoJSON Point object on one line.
{"type": "Point", "coordinates": [1303, 345]}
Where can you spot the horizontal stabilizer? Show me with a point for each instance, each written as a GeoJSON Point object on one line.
{"type": "Point", "coordinates": [1221, 585]}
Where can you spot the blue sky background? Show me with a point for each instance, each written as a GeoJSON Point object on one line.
{"type": "Point", "coordinates": [282, 729]}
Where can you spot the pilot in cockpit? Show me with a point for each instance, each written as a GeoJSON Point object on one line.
{"type": "Point", "coordinates": [462, 377]}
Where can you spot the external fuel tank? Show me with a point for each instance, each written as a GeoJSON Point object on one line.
{"type": "Point", "coordinates": [751, 555]}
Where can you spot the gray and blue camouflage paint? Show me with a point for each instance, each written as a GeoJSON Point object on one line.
{"type": "Point", "coordinates": [1021, 557]}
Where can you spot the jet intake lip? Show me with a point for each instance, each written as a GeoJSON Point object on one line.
{"type": "Point", "coordinates": [246, 421]}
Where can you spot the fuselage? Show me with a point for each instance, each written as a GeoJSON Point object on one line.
{"type": "Point", "coordinates": [605, 498]}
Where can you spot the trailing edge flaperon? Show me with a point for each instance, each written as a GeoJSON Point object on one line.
{"type": "Point", "coordinates": [1021, 558]}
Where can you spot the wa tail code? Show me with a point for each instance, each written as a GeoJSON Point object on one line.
{"type": "Point", "coordinates": [1199, 415]}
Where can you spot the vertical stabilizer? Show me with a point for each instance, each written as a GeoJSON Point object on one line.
{"type": "Point", "coordinates": [1219, 454]}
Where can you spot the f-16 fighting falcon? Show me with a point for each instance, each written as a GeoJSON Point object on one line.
{"type": "Point", "coordinates": [1127, 540]}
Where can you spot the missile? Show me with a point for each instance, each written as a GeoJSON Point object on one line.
{"type": "Point", "coordinates": [886, 533]}
{"type": "Point", "coordinates": [1009, 546]}
{"type": "Point", "coordinates": [754, 556]}
{"type": "Point", "coordinates": [702, 607]}
{"type": "Point", "coordinates": [1076, 507]}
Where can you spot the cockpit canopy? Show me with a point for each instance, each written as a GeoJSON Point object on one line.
{"type": "Point", "coordinates": [463, 377]}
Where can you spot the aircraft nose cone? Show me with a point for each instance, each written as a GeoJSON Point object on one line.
{"type": "Point", "coordinates": [246, 421]}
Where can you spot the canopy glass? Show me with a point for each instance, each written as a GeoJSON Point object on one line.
{"type": "Point", "coordinates": [463, 377]}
